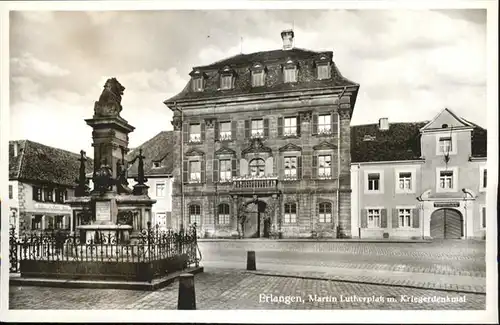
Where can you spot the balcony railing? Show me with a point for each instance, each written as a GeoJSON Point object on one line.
{"type": "Point", "coordinates": [254, 182]}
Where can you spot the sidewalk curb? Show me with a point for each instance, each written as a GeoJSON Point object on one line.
{"type": "Point", "coordinates": [308, 277]}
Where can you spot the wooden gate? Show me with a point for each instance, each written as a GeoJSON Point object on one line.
{"type": "Point", "coordinates": [446, 224]}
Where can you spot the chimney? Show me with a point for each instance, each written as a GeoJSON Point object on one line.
{"type": "Point", "coordinates": [287, 37]}
{"type": "Point", "coordinates": [383, 124]}
{"type": "Point", "coordinates": [15, 148]}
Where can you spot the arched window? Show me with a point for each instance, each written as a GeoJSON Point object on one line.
{"type": "Point", "coordinates": [195, 214]}
{"type": "Point", "coordinates": [325, 212]}
{"type": "Point", "coordinates": [224, 217]}
{"type": "Point", "coordinates": [257, 167]}
{"type": "Point", "coordinates": [290, 212]}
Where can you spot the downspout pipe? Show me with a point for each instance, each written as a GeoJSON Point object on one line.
{"type": "Point", "coordinates": [338, 161]}
{"type": "Point", "coordinates": [181, 158]}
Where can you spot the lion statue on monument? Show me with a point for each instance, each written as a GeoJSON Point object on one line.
{"type": "Point", "coordinates": [109, 103]}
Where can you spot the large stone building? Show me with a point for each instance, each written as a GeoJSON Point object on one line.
{"type": "Point", "coordinates": [158, 164]}
{"type": "Point", "coordinates": [41, 179]}
{"type": "Point", "coordinates": [262, 145]}
{"type": "Point", "coordinates": [419, 180]}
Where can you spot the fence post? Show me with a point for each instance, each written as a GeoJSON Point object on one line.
{"type": "Point", "coordinates": [251, 261]}
{"type": "Point", "coordinates": [186, 299]}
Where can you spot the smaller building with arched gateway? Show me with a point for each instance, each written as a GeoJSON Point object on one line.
{"type": "Point", "coordinates": [419, 180]}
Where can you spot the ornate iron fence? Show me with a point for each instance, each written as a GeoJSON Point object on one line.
{"type": "Point", "coordinates": [151, 245]}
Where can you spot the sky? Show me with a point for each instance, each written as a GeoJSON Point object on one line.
{"type": "Point", "coordinates": [410, 64]}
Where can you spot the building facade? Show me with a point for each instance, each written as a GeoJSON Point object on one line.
{"type": "Point", "coordinates": [41, 179]}
{"type": "Point", "coordinates": [158, 165]}
{"type": "Point", "coordinates": [262, 145]}
{"type": "Point", "coordinates": [419, 180]}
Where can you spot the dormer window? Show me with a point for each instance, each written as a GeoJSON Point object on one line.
{"type": "Point", "coordinates": [156, 164]}
{"type": "Point", "coordinates": [197, 80]}
{"type": "Point", "coordinates": [323, 67]}
{"type": "Point", "coordinates": [290, 72]}
{"type": "Point", "coordinates": [226, 78]}
{"type": "Point", "coordinates": [258, 75]}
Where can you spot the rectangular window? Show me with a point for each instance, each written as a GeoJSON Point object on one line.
{"type": "Point", "coordinates": [257, 128]}
{"type": "Point", "coordinates": [290, 74]}
{"type": "Point", "coordinates": [37, 193]}
{"type": "Point", "coordinates": [446, 179]}
{"type": "Point", "coordinates": [195, 171]}
{"type": "Point", "coordinates": [324, 124]}
{"type": "Point", "coordinates": [161, 220]}
{"type": "Point", "coordinates": [373, 218]}
{"type": "Point", "coordinates": [198, 84]}
{"type": "Point", "coordinates": [290, 127]}
{"type": "Point", "coordinates": [11, 195]}
{"type": "Point", "coordinates": [445, 145]}
{"type": "Point", "coordinates": [258, 79]}
{"type": "Point", "coordinates": [49, 195]}
{"type": "Point", "coordinates": [325, 166]}
{"type": "Point", "coordinates": [325, 212]}
{"type": "Point", "coordinates": [226, 82]}
{"type": "Point", "coordinates": [323, 71]}
{"type": "Point", "coordinates": [58, 222]}
{"type": "Point", "coordinates": [290, 213]}
{"type": "Point", "coordinates": [225, 170]}
{"type": "Point", "coordinates": [195, 133]}
{"type": "Point", "coordinates": [290, 167]}
{"type": "Point", "coordinates": [225, 131]}
{"type": "Point", "coordinates": [373, 182]}
{"type": "Point", "coordinates": [405, 181]}
{"type": "Point", "coordinates": [160, 189]}
{"type": "Point", "coordinates": [404, 217]}
{"type": "Point", "coordinates": [36, 222]}
{"type": "Point", "coordinates": [224, 217]}
{"type": "Point", "coordinates": [195, 214]}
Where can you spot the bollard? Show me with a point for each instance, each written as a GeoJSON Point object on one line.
{"type": "Point", "coordinates": [251, 261]}
{"type": "Point", "coordinates": [187, 298]}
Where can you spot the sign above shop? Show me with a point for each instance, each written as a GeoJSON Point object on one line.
{"type": "Point", "coordinates": [446, 204]}
{"type": "Point", "coordinates": [48, 206]}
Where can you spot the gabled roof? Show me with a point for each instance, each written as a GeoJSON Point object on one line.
{"type": "Point", "coordinates": [400, 142]}
{"type": "Point", "coordinates": [446, 116]}
{"type": "Point", "coordinates": [158, 149]}
{"type": "Point", "coordinates": [36, 162]}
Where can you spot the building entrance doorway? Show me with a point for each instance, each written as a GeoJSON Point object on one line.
{"type": "Point", "coordinates": [255, 212]}
{"type": "Point", "coordinates": [446, 224]}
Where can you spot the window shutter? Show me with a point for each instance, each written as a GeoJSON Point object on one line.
{"type": "Point", "coordinates": [202, 128]}
{"type": "Point", "coordinates": [247, 128]}
{"type": "Point", "coordinates": [233, 168]}
{"type": "Point", "coordinates": [483, 217]}
{"type": "Point", "coordinates": [216, 131]}
{"type": "Point", "coordinates": [280, 126]}
{"type": "Point", "coordinates": [203, 171]}
{"type": "Point", "coordinates": [280, 166]}
{"type": "Point", "coordinates": [215, 171]}
{"type": "Point", "coordinates": [299, 167]}
{"type": "Point", "coordinates": [335, 123]}
{"type": "Point", "coordinates": [315, 124]}
{"type": "Point", "coordinates": [395, 217]}
{"type": "Point", "coordinates": [185, 132]}
{"type": "Point", "coordinates": [233, 130]}
{"type": "Point", "coordinates": [315, 166]}
{"type": "Point", "coordinates": [185, 171]}
{"type": "Point", "coordinates": [298, 125]}
{"type": "Point", "coordinates": [266, 127]}
{"type": "Point", "coordinates": [34, 193]}
{"type": "Point", "coordinates": [415, 218]}
{"type": "Point", "coordinates": [383, 218]}
{"type": "Point", "coordinates": [364, 221]}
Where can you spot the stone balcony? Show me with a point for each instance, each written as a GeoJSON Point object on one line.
{"type": "Point", "coordinates": [255, 185]}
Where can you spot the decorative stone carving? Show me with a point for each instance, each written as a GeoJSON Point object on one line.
{"type": "Point", "coordinates": [82, 189]}
{"type": "Point", "coordinates": [103, 178]}
{"type": "Point", "coordinates": [325, 146]}
{"type": "Point", "coordinates": [126, 217]}
{"type": "Point", "coordinates": [109, 104]}
{"type": "Point", "coordinates": [290, 147]}
{"type": "Point", "coordinates": [210, 122]}
{"type": "Point", "coordinates": [195, 153]}
{"type": "Point", "coordinates": [306, 116]}
{"type": "Point", "coordinates": [225, 151]}
{"type": "Point", "coordinates": [256, 146]}
{"type": "Point", "coordinates": [177, 123]}
{"type": "Point", "coordinates": [345, 114]}
{"type": "Point", "coordinates": [140, 188]}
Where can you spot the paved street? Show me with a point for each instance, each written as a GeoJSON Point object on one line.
{"type": "Point", "coordinates": [231, 289]}
{"type": "Point", "coordinates": [404, 271]}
